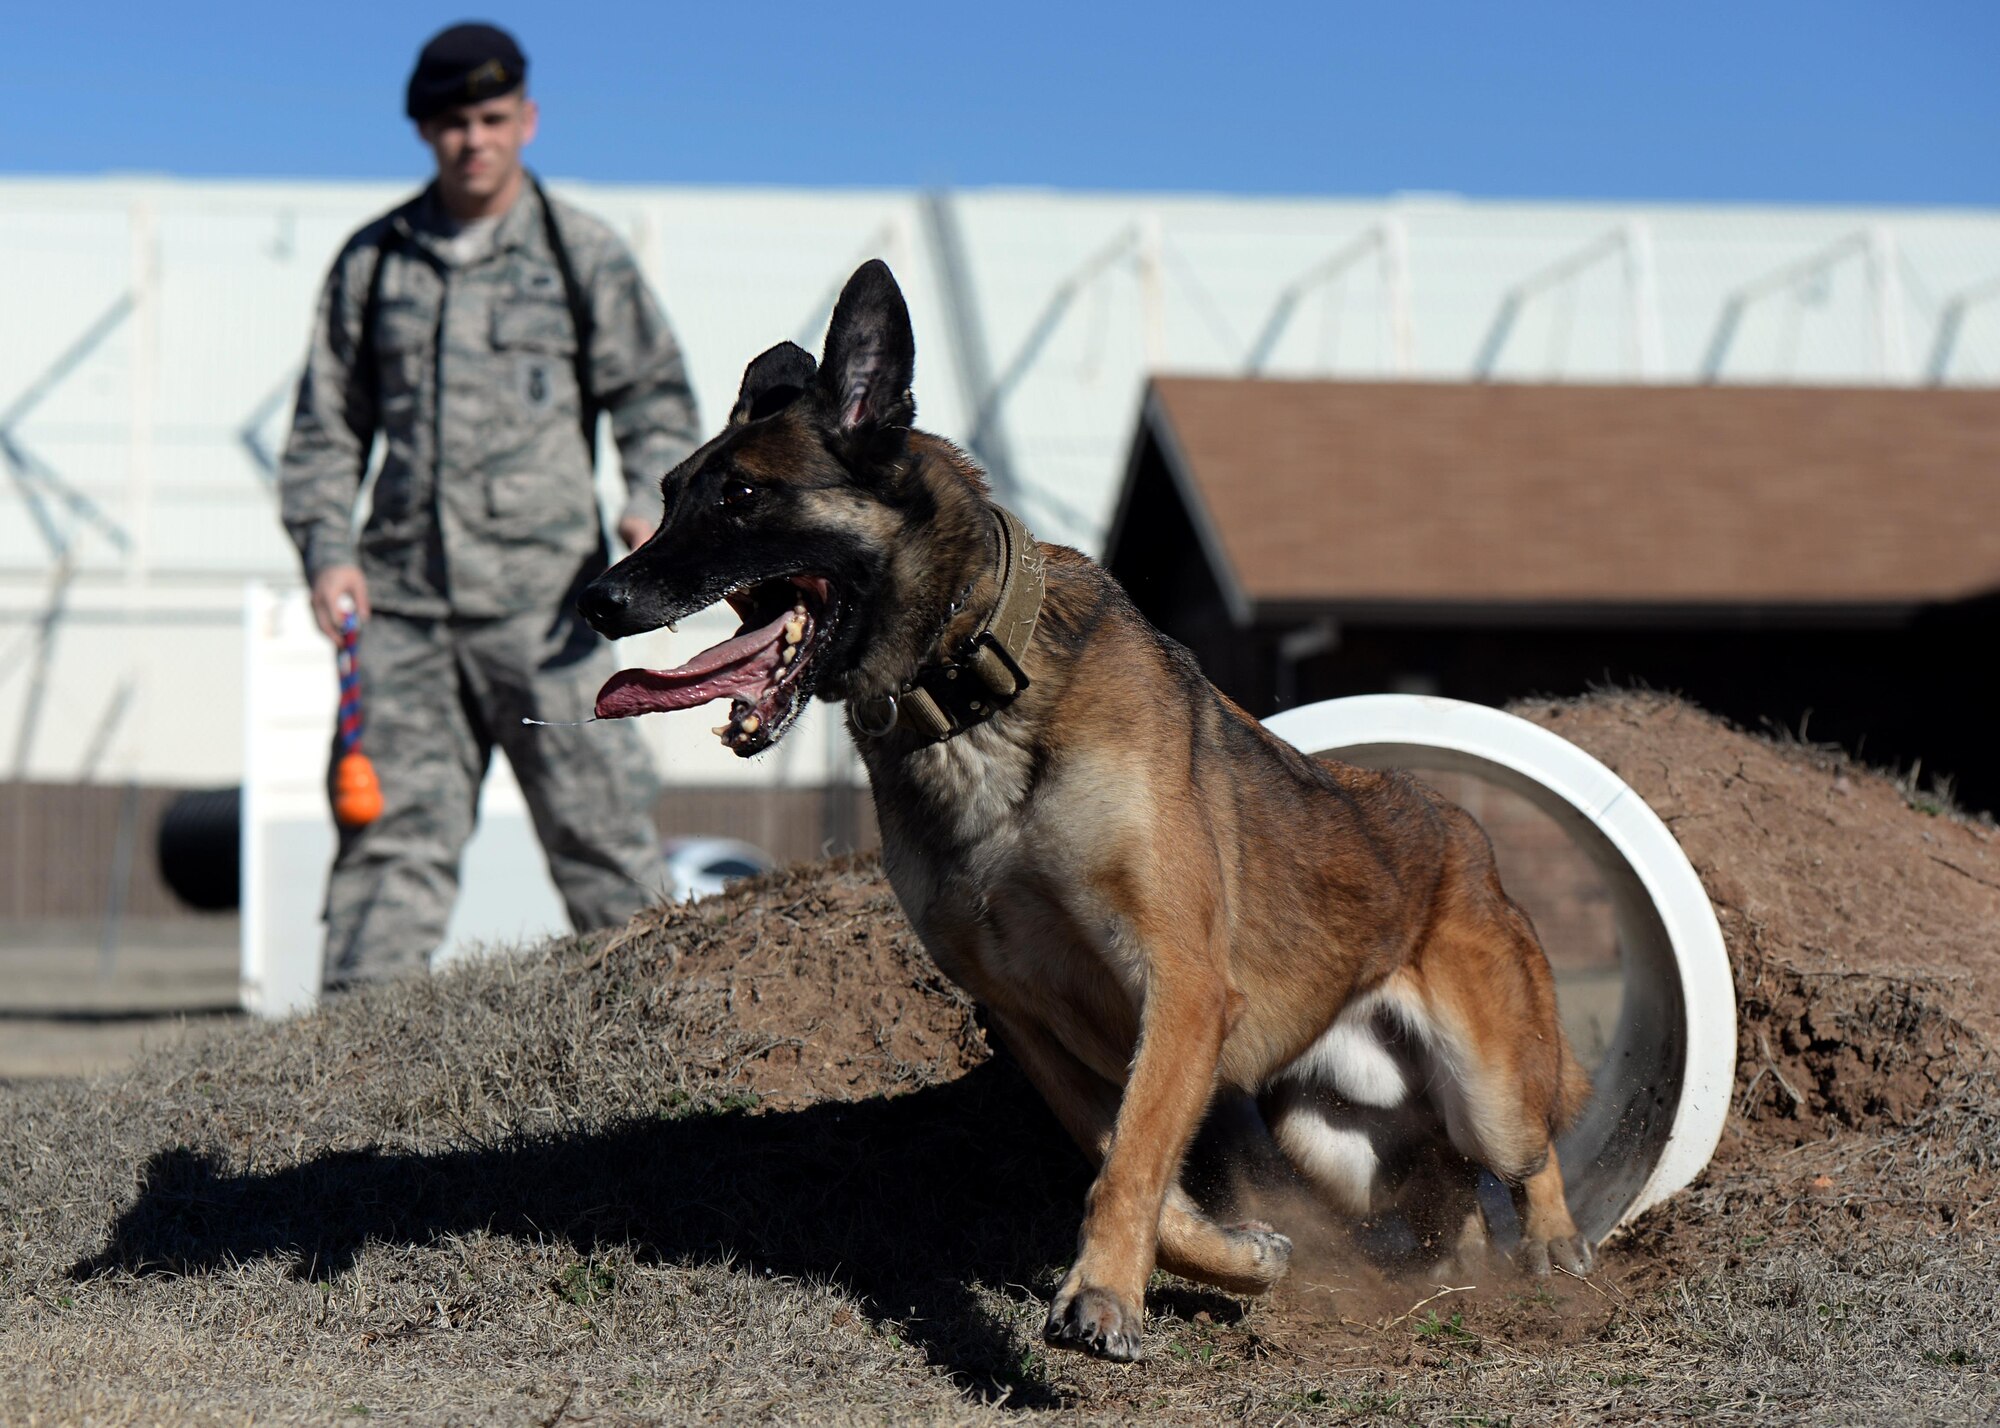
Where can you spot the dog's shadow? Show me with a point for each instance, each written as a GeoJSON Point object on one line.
{"type": "Point", "coordinates": [907, 1202]}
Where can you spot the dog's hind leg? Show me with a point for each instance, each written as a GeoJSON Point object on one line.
{"type": "Point", "coordinates": [1243, 1259]}
{"type": "Point", "coordinates": [1482, 1003]}
{"type": "Point", "coordinates": [1440, 1203]}
{"type": "Point", "coordinates": [1547, 1231]}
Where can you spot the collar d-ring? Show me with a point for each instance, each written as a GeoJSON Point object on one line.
{"type": "Point", "coordinates": [883, 707]}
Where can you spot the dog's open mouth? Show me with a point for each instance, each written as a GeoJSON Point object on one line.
{"type": "Point", "coordinates": [762, 670]}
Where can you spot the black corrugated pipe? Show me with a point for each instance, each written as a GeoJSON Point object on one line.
{"type": "Point", "coordinates": [199, 848]}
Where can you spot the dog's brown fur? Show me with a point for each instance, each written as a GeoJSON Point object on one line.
{"type": "Point", "coordinates": [1169, 913]}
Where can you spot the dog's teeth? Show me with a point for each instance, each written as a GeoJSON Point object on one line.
{"type": "Point", "coordinates": [795, 628]}
{"type": "Point", "coordinates": [750, 723]}
{"type": "Point", "coordinates": [673, 627]}
{"type": "Point", "coordinates": [719, 729]}
{"type": "Point", "coordinates": [791, 653]}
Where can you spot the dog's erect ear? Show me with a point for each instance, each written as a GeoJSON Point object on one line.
{"type": "Point", "coordinates": [870, 356]}
{"type": "Point", "coordinates": [772, 382]}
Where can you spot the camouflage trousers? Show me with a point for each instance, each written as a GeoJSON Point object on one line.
{"type": "Point", "coordinates": [439, 694]}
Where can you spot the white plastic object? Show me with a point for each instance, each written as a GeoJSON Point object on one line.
{"type": "Point", "coordinates": [1663, 1089]}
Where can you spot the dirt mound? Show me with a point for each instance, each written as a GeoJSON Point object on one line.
{"type": "Point", "coordinates": [1862, 917]}
{"type": "Point", "coordinates": [819, 971]}
{"type": "Point", "coordinates": [1862, 920]}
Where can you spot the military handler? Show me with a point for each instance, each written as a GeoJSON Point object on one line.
{"type": "Point", "coordinates": [479, 329]}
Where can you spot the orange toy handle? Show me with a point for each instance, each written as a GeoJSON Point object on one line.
{"type": "Point", "coordinates": [357, 794]}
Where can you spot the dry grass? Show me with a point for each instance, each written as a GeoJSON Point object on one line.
{"type": "Point", "coordinates": [751, 1162]}
{"type": "Point", "coordinates": [517, 1194]}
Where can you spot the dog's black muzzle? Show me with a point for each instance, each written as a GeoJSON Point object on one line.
{"type": "Point", "coordinates": [609, 606]}
{"type": "Point", "coordinates": [604, 604]}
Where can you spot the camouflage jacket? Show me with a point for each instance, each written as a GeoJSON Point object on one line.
{"type": "Point", "coordinates": [486, 502]}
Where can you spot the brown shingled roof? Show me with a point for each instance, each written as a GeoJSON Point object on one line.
{"type": "Point", "coordinates": [1379, 492]}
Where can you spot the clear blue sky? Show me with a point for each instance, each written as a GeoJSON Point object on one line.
{"type": "Point", "coordinates": [1823, 102]}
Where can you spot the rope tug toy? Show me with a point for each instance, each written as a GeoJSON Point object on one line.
{"type": "Point", "coordinates": [357, 796]}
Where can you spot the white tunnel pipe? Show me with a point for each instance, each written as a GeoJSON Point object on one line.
{"type": "Point", "coordinates": [1677, 1025]}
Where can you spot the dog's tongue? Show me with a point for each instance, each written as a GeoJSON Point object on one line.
{"type": "Point", "coordinates": [745, 666]}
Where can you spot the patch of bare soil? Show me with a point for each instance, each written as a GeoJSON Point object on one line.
{"type": "Point", "coordinates": [751, 1159]}
{"type": "Point", "coordinates": [817, 966]}
{"type": "Point", "coordinates": [1862, 916]}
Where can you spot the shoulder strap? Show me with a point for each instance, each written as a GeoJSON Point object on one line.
{"type": "Point", "coordinates": [367, 362]}
{"type": "Point", "coordinates": [371, 304]}
{"type": "Point", "coordinates": [579, 316]}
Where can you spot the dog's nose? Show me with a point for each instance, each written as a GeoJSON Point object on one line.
{"type": "Point", "coordinates": [605, 606]}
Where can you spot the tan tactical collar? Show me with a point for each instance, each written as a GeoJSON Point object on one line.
{"type": "Point", "coordinates": [986, 671]}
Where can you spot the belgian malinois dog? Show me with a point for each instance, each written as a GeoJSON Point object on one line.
{"type": "Point", "coordinates": [1170, 915]}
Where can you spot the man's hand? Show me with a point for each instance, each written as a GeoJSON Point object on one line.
{"type": "Point", "coordinates": [328, 589]}
{"type": "Point", "coordinates": [635, 531]}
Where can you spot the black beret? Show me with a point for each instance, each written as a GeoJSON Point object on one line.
{"type": "Point", "coordinates": [465, 64]}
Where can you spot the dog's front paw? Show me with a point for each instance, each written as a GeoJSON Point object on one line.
{"type": "Point", "coordinates": [1269, 1253]}
{"type": "Point", "coordinates": [1570, 1252]}
{"type": "Point", "coordinates": [1095, 1321]}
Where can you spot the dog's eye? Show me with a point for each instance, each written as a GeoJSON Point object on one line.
{"type": "Point", "coordinates": [735, 493]}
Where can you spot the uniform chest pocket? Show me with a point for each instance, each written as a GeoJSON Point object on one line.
{"type": "Point", "coordinates": [543, 327]}
{"type": "Point", "coordinates": [536, 342]}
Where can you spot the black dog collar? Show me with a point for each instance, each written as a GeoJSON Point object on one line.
{"type": "Point", "coordinates": [985, 673]}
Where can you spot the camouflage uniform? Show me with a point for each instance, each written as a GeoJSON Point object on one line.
{"type": "Point", "coordinates": [483, 526]}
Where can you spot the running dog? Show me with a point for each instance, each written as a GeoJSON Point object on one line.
{"type": "Point", "coordinates": [1170, 915]}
